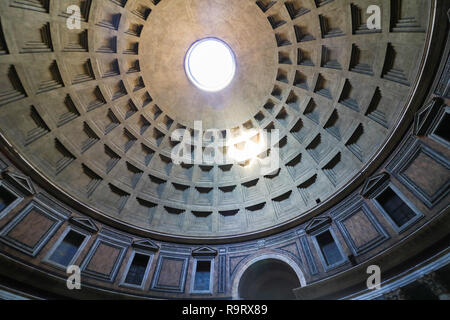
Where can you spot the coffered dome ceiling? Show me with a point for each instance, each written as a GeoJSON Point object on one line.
{"type": "Point", "coordinates": [92, 110]}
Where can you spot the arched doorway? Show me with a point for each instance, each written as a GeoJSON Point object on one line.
{"type": "Point", "coordinates": [268, 279]}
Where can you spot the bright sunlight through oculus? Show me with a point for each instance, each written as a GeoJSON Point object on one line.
{"type": "Point", "coordinates": [210, 64]}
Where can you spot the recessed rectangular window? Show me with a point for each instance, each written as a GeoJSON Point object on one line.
{"type": "Point", "coordinates": [136, 272]}
{"type": "Point", "coordinates": [6, 198]}
{"type": "Point", "coordinates": [68, 248]}
{"type": "Point", "coordinates": [395, 207]}
{"type": "Point", "coordinates": [329, 248]}
{"type": "Point", "coordinates": [442, 130]}
{"type": "Point", "coordinates": [202, 276]}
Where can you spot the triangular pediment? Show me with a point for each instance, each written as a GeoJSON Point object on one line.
{"type": "Point", "coordinates": [317, 223]}
{"type": "Point", "coordinates": [373, 184]}
{"type": "Point", "coordinates": [204, 251]}
{"type": "Point", "coordinates": [146, 244]}
{"type": "Point", "coordinates": [21, 182]}
{"type": "Point", "coordinates": [84, 223]}
{"type": "Point", "coordinates": [425, 117]}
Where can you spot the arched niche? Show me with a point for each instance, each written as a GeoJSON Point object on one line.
{"type": "Point", "coordinates": [267, 277]}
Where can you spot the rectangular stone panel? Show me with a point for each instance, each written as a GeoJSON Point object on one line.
{"type": "Point", "coordinates": [360, 229]}
{"type": "Point", "coordinates": [31, 229]}
{"type": "Point", "coordinates": [424, 171]}
{"type": "Point", "coordinates": [104, 259]}
{"type": "Point", "coordinates": [170, 274]}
